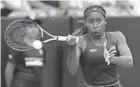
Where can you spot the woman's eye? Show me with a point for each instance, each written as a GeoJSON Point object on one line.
{"type": "Point", "coordinates": [98, 21]}
{"type": "Point", "coordinates": [90, 21]}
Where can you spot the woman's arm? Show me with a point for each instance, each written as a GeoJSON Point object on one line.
{"type": "Point", "coordinates": [74, 53]}
{"type": "Point", "coordinates": [73, 59]}
{"type": "Point", "coordinates": [125, 59]}
{"type": "Point", "coordinates": [9, 72]}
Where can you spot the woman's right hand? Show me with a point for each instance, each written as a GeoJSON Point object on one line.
{"type": "Point", "coordinates": [72, 40]}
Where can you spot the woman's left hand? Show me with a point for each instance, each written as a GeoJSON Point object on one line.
{"type": "Point", "coordinates": [108, 53]}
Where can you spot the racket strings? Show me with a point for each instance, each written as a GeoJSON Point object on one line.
{"type": "Point", "coordinates": [16, 34]}
{"type": "Point", "coordinates": [33, 31]}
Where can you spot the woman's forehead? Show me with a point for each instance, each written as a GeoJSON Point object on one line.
{"type": "Point", "coordinates": [95, 15]}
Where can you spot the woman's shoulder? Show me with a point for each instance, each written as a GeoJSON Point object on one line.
{"type": "Point", "coordinates": [116, 33]}
{"type": "Point", "coordinates": [117, 36]}
{"type": "Point", "coordinates": [82, 39]}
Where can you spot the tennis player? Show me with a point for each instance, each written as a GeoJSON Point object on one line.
{"type": "Point", "coordinates": [99, 53]}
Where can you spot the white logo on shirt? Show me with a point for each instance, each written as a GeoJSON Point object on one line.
{"type": "Point", "coordinates": [92, 50]}
{"type": "Point", "coordinates": [32, 61]}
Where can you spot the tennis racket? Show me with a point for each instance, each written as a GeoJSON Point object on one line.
{"type": "Point", "coordinates": [23, 35]}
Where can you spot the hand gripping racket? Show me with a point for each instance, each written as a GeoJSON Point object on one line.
{"type": "Point", "coordinates": [23, 35]}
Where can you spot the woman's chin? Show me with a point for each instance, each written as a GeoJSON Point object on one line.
{"type": "Point", "coordinates": [96, 34]}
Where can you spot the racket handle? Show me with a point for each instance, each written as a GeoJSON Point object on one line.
{"type": "Point", "coordinates": [61, 38]}
{"type": "Point", "coordinates": [65, 38]}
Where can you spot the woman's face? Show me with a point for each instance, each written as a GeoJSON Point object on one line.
{"type": "Point", "coordinates": [95, 22]}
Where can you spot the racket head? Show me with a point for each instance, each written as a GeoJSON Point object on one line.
{"type": "Point", "coordinates": [20, 34]}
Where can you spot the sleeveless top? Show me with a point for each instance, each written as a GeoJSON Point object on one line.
{"type": "Point", "coordinates": [94, 68]}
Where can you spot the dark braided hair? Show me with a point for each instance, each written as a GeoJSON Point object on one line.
{"type": "Point", "coordinates": [88, 10]}
{"type": "Point", "coordinates": [80, 31]}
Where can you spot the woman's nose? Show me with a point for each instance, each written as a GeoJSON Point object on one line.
{"type": "Point", "coordinates": [95, 25]}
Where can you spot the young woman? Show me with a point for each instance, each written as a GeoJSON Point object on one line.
{"type": "Point", "coordinates": [98, 52]}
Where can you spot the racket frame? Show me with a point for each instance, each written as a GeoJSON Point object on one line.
{"type": "Point", "coordinates": [16, 21]}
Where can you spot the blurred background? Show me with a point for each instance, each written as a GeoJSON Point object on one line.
{"type": "Point", "coordinates": [70, 8]}
{"type": "Point", "coordinates": [60, 18]}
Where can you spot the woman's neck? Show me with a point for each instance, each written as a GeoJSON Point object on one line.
{"type": "Point", "coordinates": [99, 39]}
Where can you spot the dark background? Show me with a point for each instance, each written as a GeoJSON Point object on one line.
{"type": "Point", "coordinates": [56, 73]}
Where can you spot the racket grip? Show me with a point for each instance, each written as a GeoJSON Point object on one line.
{"type": "Point", "coordinates": [61, 38]}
